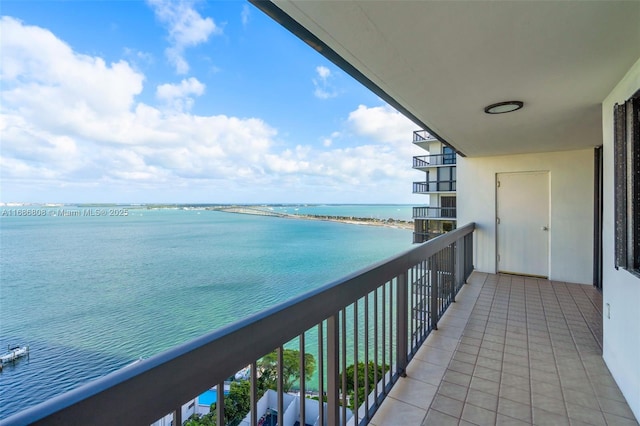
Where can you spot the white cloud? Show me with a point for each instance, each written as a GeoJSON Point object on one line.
{"type": "Point", "coordinates": [179, 97]}
{"type": "Point", "coordinates": [382, 124]}
{"type": "Point", "coordinates": [186, 28]}
{"type": "Point", "coordinates": [244, 15]}
{"type": "Point", "coordinates": [324, 88]}
{"type": "Point", "coordinates": [323, 72]}
{"type": "Point", "coordinates": [327, 142]}
{"type": "Point", "coordinates": [72, 121]}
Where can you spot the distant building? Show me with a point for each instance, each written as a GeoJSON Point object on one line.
{"type": "Point", "coordinates": [268, 414]}
{"type": "Point", "coordinates": [439, 167]}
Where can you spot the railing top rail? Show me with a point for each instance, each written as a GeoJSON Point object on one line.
{"type": "Point", "coordinates": [433, 182]}
{"type": "Point", "coordinates": [421, 135]}
{"type": "Point", "coordinates": [136, 391]}
{"type": "Point", "coordinates": [452, 155]}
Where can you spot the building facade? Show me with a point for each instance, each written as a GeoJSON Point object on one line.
{"type": "Point", "coordinates": [439, 184]}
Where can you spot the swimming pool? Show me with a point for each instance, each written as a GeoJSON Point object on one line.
{"type": "Point", "coordinates": [209, 397]}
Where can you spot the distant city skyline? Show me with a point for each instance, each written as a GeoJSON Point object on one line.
{"type": "Point", "coordinates": [186, 102]}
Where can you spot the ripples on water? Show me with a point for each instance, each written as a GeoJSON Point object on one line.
{"type": "Point", "coordinates": [91, 294]}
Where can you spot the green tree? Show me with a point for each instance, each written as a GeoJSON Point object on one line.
{"type": "Point", "coordinates": [237, 403]}
{"type": "Point", "coordinates": [268, 367]}
{"type": "Point", "coordinates": [204, 420]}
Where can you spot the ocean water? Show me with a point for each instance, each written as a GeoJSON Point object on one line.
{"type": "Point", "coordinates": [91, 294]}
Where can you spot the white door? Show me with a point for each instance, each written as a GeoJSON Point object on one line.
{"type": "Point", "coordinates": [523, 223]}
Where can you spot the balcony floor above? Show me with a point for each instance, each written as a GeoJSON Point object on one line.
{"type": "Point", "coordinates": [511, 351]}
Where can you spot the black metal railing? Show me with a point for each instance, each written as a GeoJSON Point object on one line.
{"type": "Point", "coordinates": [433, 212]}
{"type": "Point", "coordinates": [434, 186]}
{"type": "Point", "coordinates": [422, 161]}
{"type": "Point", "coordinates": [378, 316]}
{"type": "Point", "coordinates": [421, 237]}
{"type": "Point", "coordinates": [422, 136]}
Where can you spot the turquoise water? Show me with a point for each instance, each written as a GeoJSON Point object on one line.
{"type": "Point", "coordinates": [91, 294]}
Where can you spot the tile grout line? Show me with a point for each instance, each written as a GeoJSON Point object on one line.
{"type": "Point", "coordinates": [430, 408]}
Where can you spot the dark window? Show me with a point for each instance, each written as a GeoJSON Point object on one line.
{"type": "Point", "coordinates": [448, 206]}
{"type": "Point", "coordinates": [626, 148]}
{"type": "Point", "coordinates": [448, 226]}
{"type": "Point", "coordinates": [448, 155]}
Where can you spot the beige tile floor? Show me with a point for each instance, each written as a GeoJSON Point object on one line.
{"type": "Point", "coordinates": [511, 351]}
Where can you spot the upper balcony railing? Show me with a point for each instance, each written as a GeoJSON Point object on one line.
{"type": "Point", "coordinates": [378, 316]}
{"type": "Point", "coordinates": [421, 237]}
{"type": "Point", "coordinates": [434, 186]}
{"type": "Point", "coordinates": [422, 136]}
{"type": "Point", "coordinates": [432, 212]}
{"type": "Point", "coordinates": [422, 161]}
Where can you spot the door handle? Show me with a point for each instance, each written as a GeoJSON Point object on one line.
{"type": "Point", "coordinates": [545, 228]}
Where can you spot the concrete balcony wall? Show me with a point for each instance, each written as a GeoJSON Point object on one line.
{"type": "Point", "coordinates": [620, 289]}
{"type": "Point", "coordinates": [571, 208]}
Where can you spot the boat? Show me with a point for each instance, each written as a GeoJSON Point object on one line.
{"type": "Point", "coordinates": [13, 353]}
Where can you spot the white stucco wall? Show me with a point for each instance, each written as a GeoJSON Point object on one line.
{"type": "Point", "coordinates": [571, 208]}
{"type": "Point", "coordinates": [621, 290]}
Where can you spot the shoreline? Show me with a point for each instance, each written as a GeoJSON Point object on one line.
{"type": "Point", "coordinates": [350, 220]}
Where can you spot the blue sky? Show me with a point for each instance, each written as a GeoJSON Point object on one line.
{"type": "Point", "coordinates": [186, 102]}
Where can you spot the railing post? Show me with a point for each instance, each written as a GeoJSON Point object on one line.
{"type": "Point", "coordinates": [177, 415]}
{"type": "Point", "coordinates": [302, 380]}
{"type": "Point", "coordinates": [460, 254]}
{"type": "Point", "coordinates": [253, 396]}
{"type": "Point", "coordinates": [469, 256]}
{"type": "Point", "coordinates": [280, 384]}
{"type": "Point", "coordinates": [333, 364]}
{"type": "Point", "coordinates": [433, 281]}
{"type": "Point", "coordinates": [402, 323]}
{"type": "Point", "coordinates": [320, 373]}
{"type": "Point", "coordinates": [220, 404]}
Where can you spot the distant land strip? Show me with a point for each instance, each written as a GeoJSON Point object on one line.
{"type": "Point", "coordinates": [393, 223]}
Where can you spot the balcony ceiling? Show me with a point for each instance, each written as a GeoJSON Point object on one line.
{"type": "Point", "coordinates": [442, 62]}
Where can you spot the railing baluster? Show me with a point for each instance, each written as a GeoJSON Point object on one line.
{"type": "Point", "coordinates": [391, 321]}
{"type": "Point", "coordinates": [433, 281]}
{"type": "Point", "coordinates": [384, 340]}
{"type": "Point", "coordinates": [343, 345]}
{"type": "Point", "coordinates": [333, 363]}
{"type": "Point", "coordinates": [177, 416]}
{"type": "Point", "coordinates": [401, 324]}
{"type": "Point", "coordinates": [412, 321]}
{"type": "Point", "coordinates": [302, 381]}
{"type": "Point", "coordinates": [280, 353]}
{"type": "Point", "coordinates": [254, 393]}
{"type": "Point", "coordinates": [366, 358]}
{"type": "Point", "coordinates": [220, 403]}
{"type": "Point", "coordinates": [321, 373]}
{"type": "Point", "coordinates": [376, 379]}
{"type": "Point", "coordinates": [355, 362]}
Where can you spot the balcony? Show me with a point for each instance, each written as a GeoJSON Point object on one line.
{"type": "Point", "coordinates": [511, 351]}
{"type": "Point", "coordinates": [434, 186]}
{"type": "Point", "coordinates": [422, 162]}
{"type": "Point", "coordinates": [434, 212]}
{"type": "Point", "coordinates": [422, 136]}
{"type": "Point", "coordinates": [379, 316]}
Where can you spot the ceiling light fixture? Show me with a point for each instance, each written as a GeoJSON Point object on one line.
{"type": "Point", "coordinates": [502, 107]}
